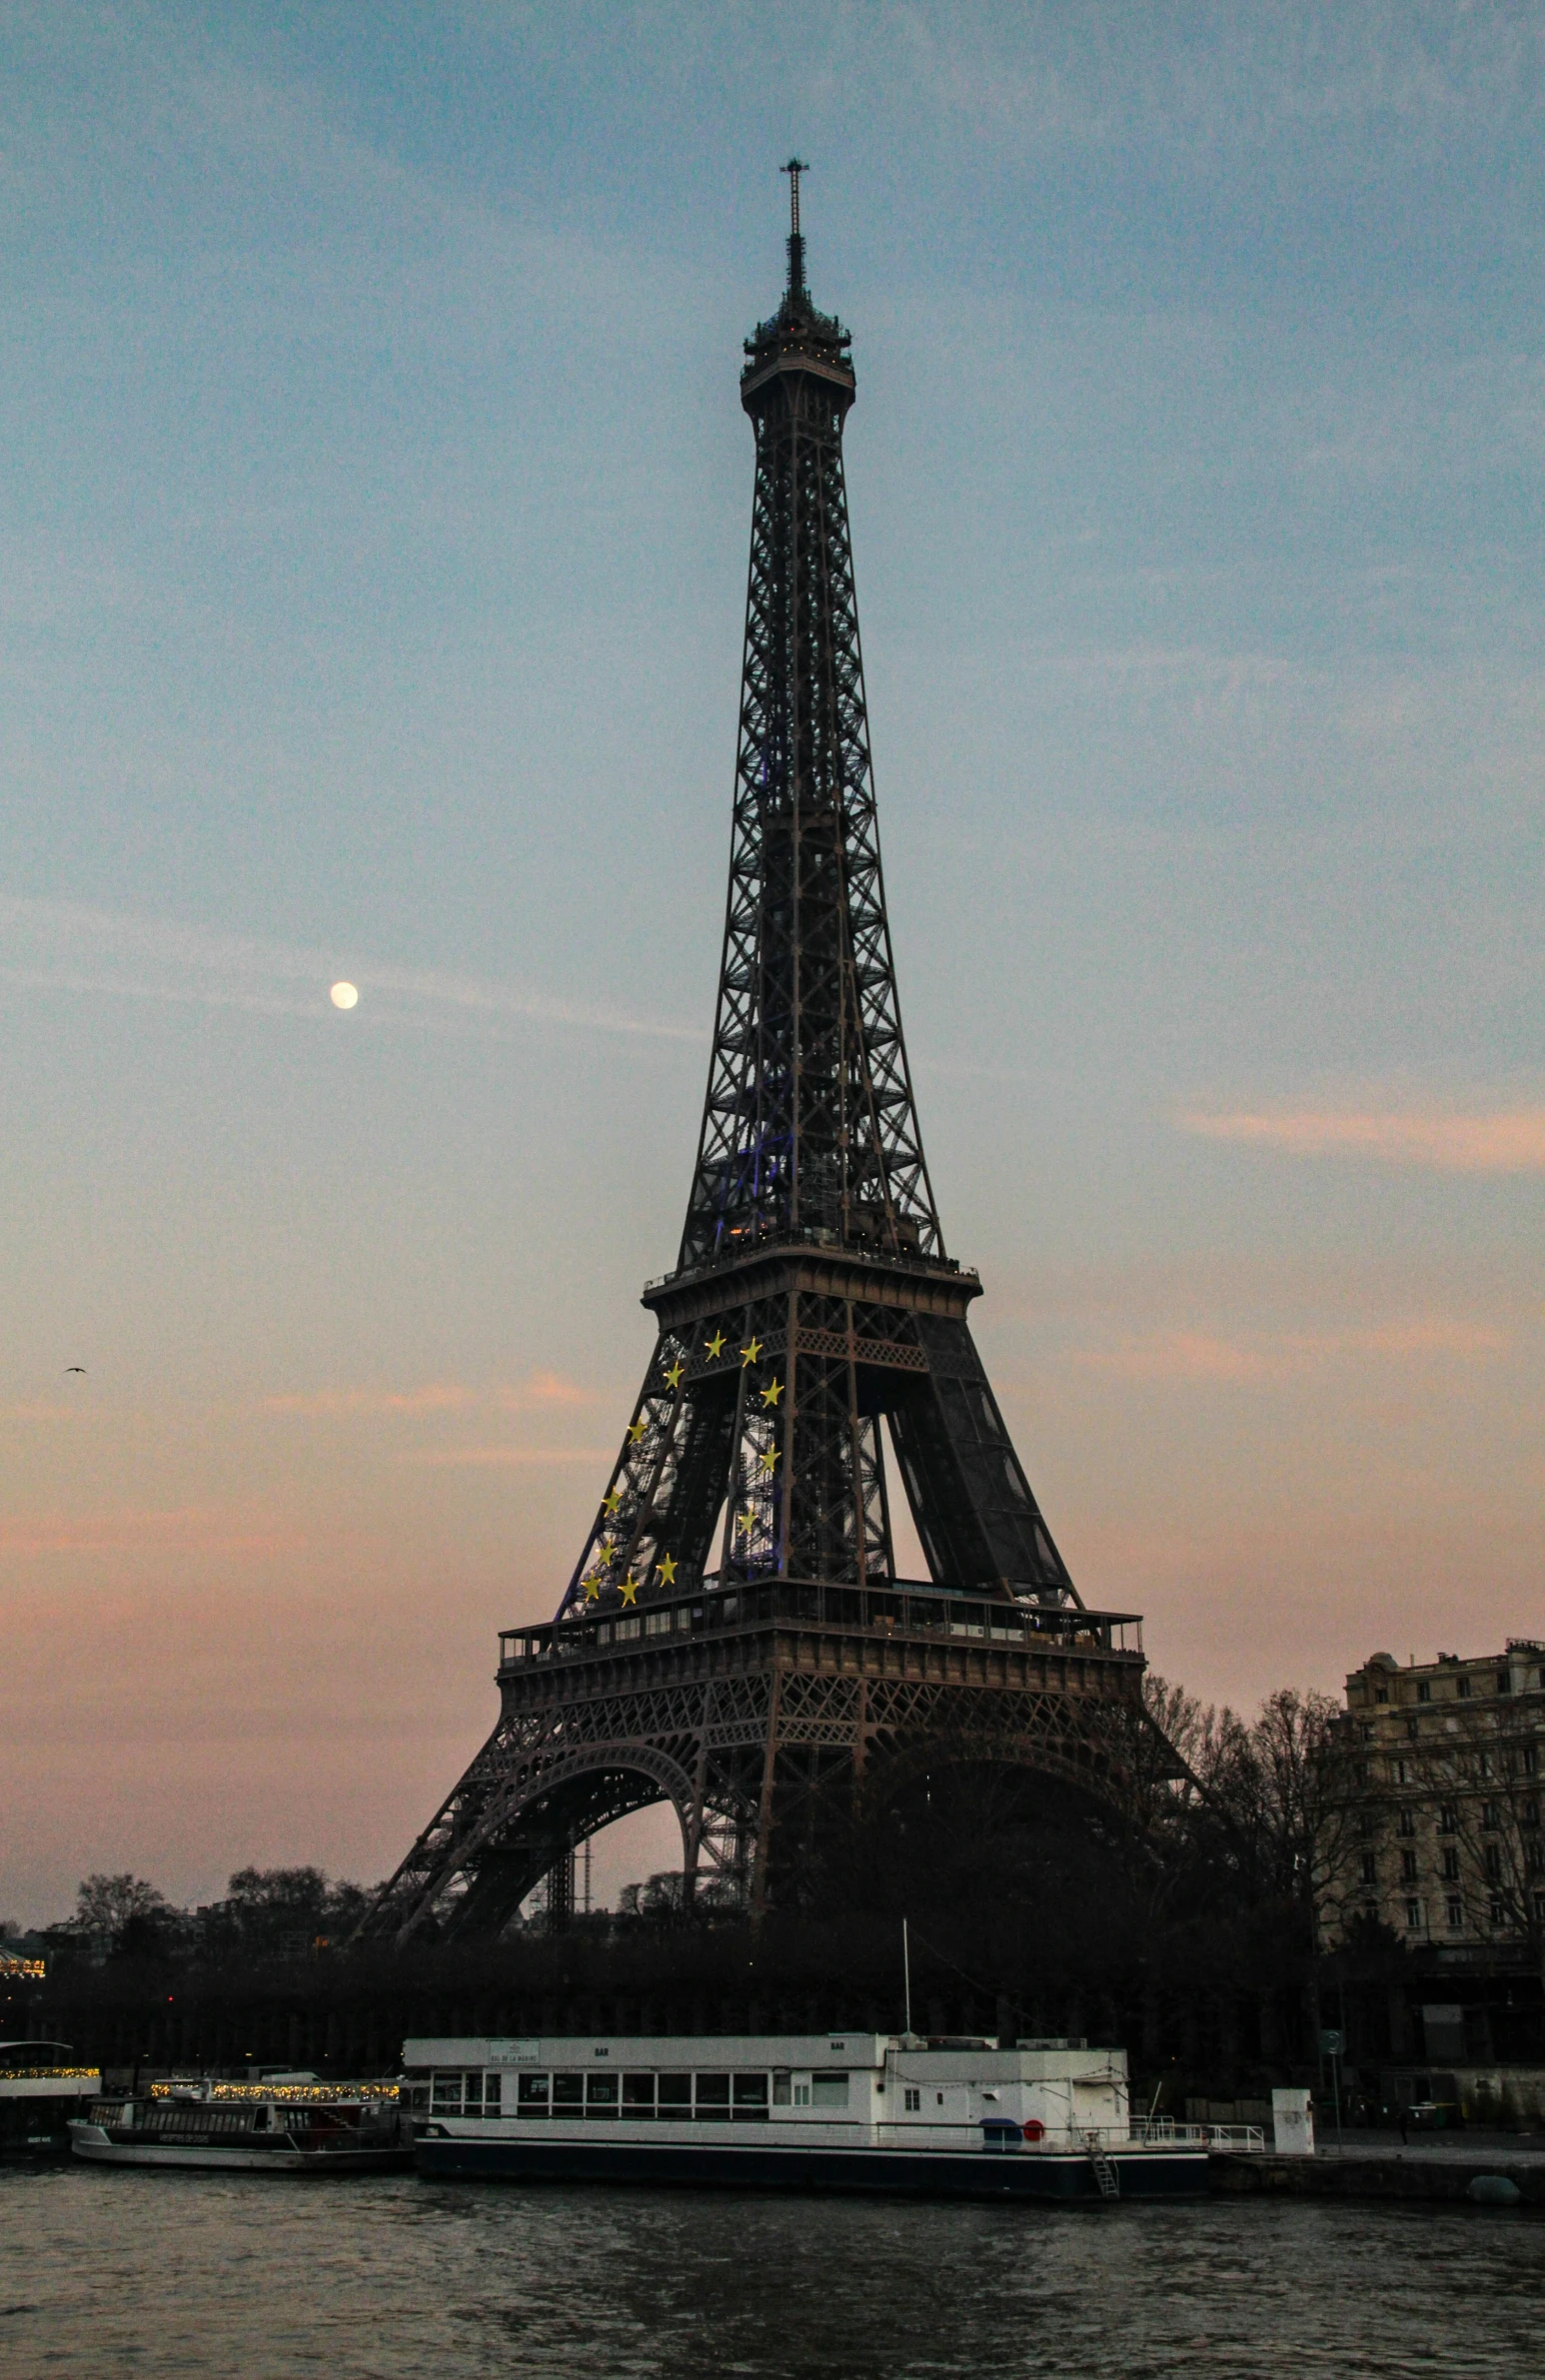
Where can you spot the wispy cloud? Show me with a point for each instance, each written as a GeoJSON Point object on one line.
{"type": "Point", "coordinates": [37, 1410]}
{"type": "Point", "coordinates": [540, 1391]}
{"type": "Point", "coordinates": [1265, 1356]}
{"type": "Point", "coordinates": [438, 1397]}
{"type": "Point", "coordinates": [63, 946]}
{"type": "Point", "coordinates": [191, 1530]}
{"type": "Point", "coordinates": [454, 1457]}
{"type": "Point", "coordinates": [544, 1388]}
{"type": "Point", "coordinates": [1510, 1140]}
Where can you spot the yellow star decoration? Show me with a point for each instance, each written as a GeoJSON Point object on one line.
{"type": "Point", "coordinates": [610, 1500]}
{"type": "Point", "coordinates": [666, 1569]}
{"type": "Point", "coordinates": [604, 1554]}
{"type": "Point", "coordinates": [715, 1345]}
{"type": "Point", "coordinates": [746, 1521]}
{"type": "Point", "coordinates": [592, 1590]}
{"type": "Point", "coordinates": [771, 1393]}
{"type": "Point", "coordinates": [748, 1355]}
{"type": "Point", "coordinates": [635, 1431]}
{"type": "Point", "coordinates": [770, 1460]}
{"type": "Point", "coordinates": [630, 1589]}
{"type": "Point", "coordinates": [673, 1377]}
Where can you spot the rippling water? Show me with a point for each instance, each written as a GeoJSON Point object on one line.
{"type": "Point", "coordinates": [256, 2279]}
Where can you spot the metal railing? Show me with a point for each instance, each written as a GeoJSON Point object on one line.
{"type": "Point", "coordinates": [896, 1609]}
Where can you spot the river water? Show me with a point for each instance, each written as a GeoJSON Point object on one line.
{"type": "Point", "coordinates": [249, 2278]}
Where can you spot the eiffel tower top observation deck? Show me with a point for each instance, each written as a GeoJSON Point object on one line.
{"type": "Point", "coordinates": [812, 1298]}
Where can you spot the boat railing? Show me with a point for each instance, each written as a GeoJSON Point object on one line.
{"type": "Point", "coordinates": [1162, 2132]}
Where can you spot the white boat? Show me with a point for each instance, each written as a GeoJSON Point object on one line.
{"type": "Point", "coordinates": [275, 2126]}
{"type": "Point", "coordinates": [39, 2093]}
{"type": "Point", "coordinates": [838, 2111]}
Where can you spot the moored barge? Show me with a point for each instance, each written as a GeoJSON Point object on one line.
{"type": "Point", "coordinates": [250, 2128]}
{"type": "Point", "coordinates": [838, 2111]}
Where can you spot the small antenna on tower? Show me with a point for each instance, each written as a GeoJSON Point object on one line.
{"type": "Point", "coordinates": [794, 169]}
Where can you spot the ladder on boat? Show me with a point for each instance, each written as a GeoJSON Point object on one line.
{"type": "Point", "coordinates": [1107, 2180]}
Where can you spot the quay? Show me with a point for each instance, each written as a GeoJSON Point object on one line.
{"type": "Point", "coordinates": [1383, 2166]}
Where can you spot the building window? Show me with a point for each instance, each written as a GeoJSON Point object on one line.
{"type": "Point", "coordinates": [1413, 1728]}
{"type": "Point", "coordinates": [1488, 1813]}
{"type": "Point", "coordinates": [1463, 1688]}
{"type": "Point", "coordinates": [1370, 1869]}
{"type": "Point", "coordinates": [1497, 1912]}
{"type": "Point", "coordinates": [1530, 1760]}
{"type": "Point", "coordinates": [1539, 1908]}
{"type": "Point", "coordinates": [1406, 1822]}
{"type": "Point", "coordinates": [1381, 1694]}
{"type": "Point", "coordinates": [913, 2103]}
{"type": "Point", "coordinates": [1504, 1682]}
{"type": "Point", "coordinates": [1413, 1915]}
{"type": "Point", "coordinates": [1424, 1691]}
{"type": "Point", "coordinates": [1451, 1866]}
{"type": "Point", "coordinates": [1484, 1764]}
{"type": "Point", "coordinates": [1455, 1916]}
{"type": "Point", "coordinates": [1409, 1867]}
{"type": "Point", "coordinates": [1495, 1862]}
{"type": "Point", "coordinates": [1529, 1810]}
{"type": "Point", "coordinates": [1448, 1818]}
{"type": "Point", "coordinates": [1400, 1773]}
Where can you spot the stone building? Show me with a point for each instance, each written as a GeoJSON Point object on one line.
{"type": "Point", "coordinates": [1444, 1771]}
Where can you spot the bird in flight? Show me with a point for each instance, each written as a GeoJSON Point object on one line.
{"type": "Point", "coordinates": [75, 1367]}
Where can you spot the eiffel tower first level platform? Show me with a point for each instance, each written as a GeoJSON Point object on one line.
{"type": "Point", "coordinates": [735, 1637]}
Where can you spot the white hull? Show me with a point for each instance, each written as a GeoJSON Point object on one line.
{"type": "Point", "coordinates": [91, 2142]}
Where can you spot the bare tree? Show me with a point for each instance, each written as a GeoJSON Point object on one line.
{"type": "Point", "coordinates": [106, 1905]}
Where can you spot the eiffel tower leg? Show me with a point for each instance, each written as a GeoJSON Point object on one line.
{"type": "Point", "coordinates": [761, 1848]}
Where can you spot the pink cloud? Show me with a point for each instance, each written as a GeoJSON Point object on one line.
{"type": "Point", "coordinates": [1176, 1355]}
{"type": "Point", "coordinates": [454, 1457]}
{"type": "Point", "coordinates": [544, 1388]}
{"type": "Point", "coordinates": [1509, 1141]}
{"type": "Point", "coordinates": [440, 1397]}
{"type": "Point", "coordinates": [193, 1530]}
{"type": "Point", "coordinates": [1276, 1355]}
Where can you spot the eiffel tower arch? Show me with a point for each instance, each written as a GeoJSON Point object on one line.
{"type": "Point", "coordinates": [735, 1637]}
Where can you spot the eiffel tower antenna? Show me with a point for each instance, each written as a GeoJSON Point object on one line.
{"type": "Point", "coordinates": [794, 169]}
{"type": "Point", "coordinates": [813, 1309]}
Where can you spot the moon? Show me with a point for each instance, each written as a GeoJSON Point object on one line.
{"type": "Point", "coordinates": [344, 995]}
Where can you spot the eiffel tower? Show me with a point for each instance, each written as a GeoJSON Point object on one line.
{"type": "Point", "coordinates": [734, 1635]}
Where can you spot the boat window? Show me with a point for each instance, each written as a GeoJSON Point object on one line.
{"type": "Point", "coordinates": [750, 2099]}
{"type": "Point", "coordinates": [913, 2102]}
{"type": "Point", "coordinates": [638, 2094]}
{"type": "Point", "coordinates": [260, 2120]}
{"type": "Point", "coordinates": [448, 2094]}
{"type": "Point", "coordinates": [828, 2090]}
{"type": "Point", "coordinates": [713, 2099]}
{"type": "Point", "coordinates": [474, 2095]}
{"type": "Point", "coordinates": [801, 2090]}
{"type": "Point", "coordinates": [568, 2090]}
{"type": "Point", "coordinates": [782, 2090]}
{"type": "Point", "coordinates": [534, 2094]}
{"type": "Point", "coordinates": [675, 2093]}
{"type": "Point", "coordinates": [601, 2094]}
{"type": "Point", "coordinates": [492, 2093]}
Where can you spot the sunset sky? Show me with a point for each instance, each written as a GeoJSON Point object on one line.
{"type": "Point", "coordinates": [374, 508]}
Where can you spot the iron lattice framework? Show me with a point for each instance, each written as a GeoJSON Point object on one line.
{"type": "Point", "coordinates": [812, 1299]}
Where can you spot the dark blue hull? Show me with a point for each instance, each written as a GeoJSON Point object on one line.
{"type": "Point", "coordinates": [906, 2173]}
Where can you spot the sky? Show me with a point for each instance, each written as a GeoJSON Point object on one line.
{"type": "Point", "coordinates": [373, 514]}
